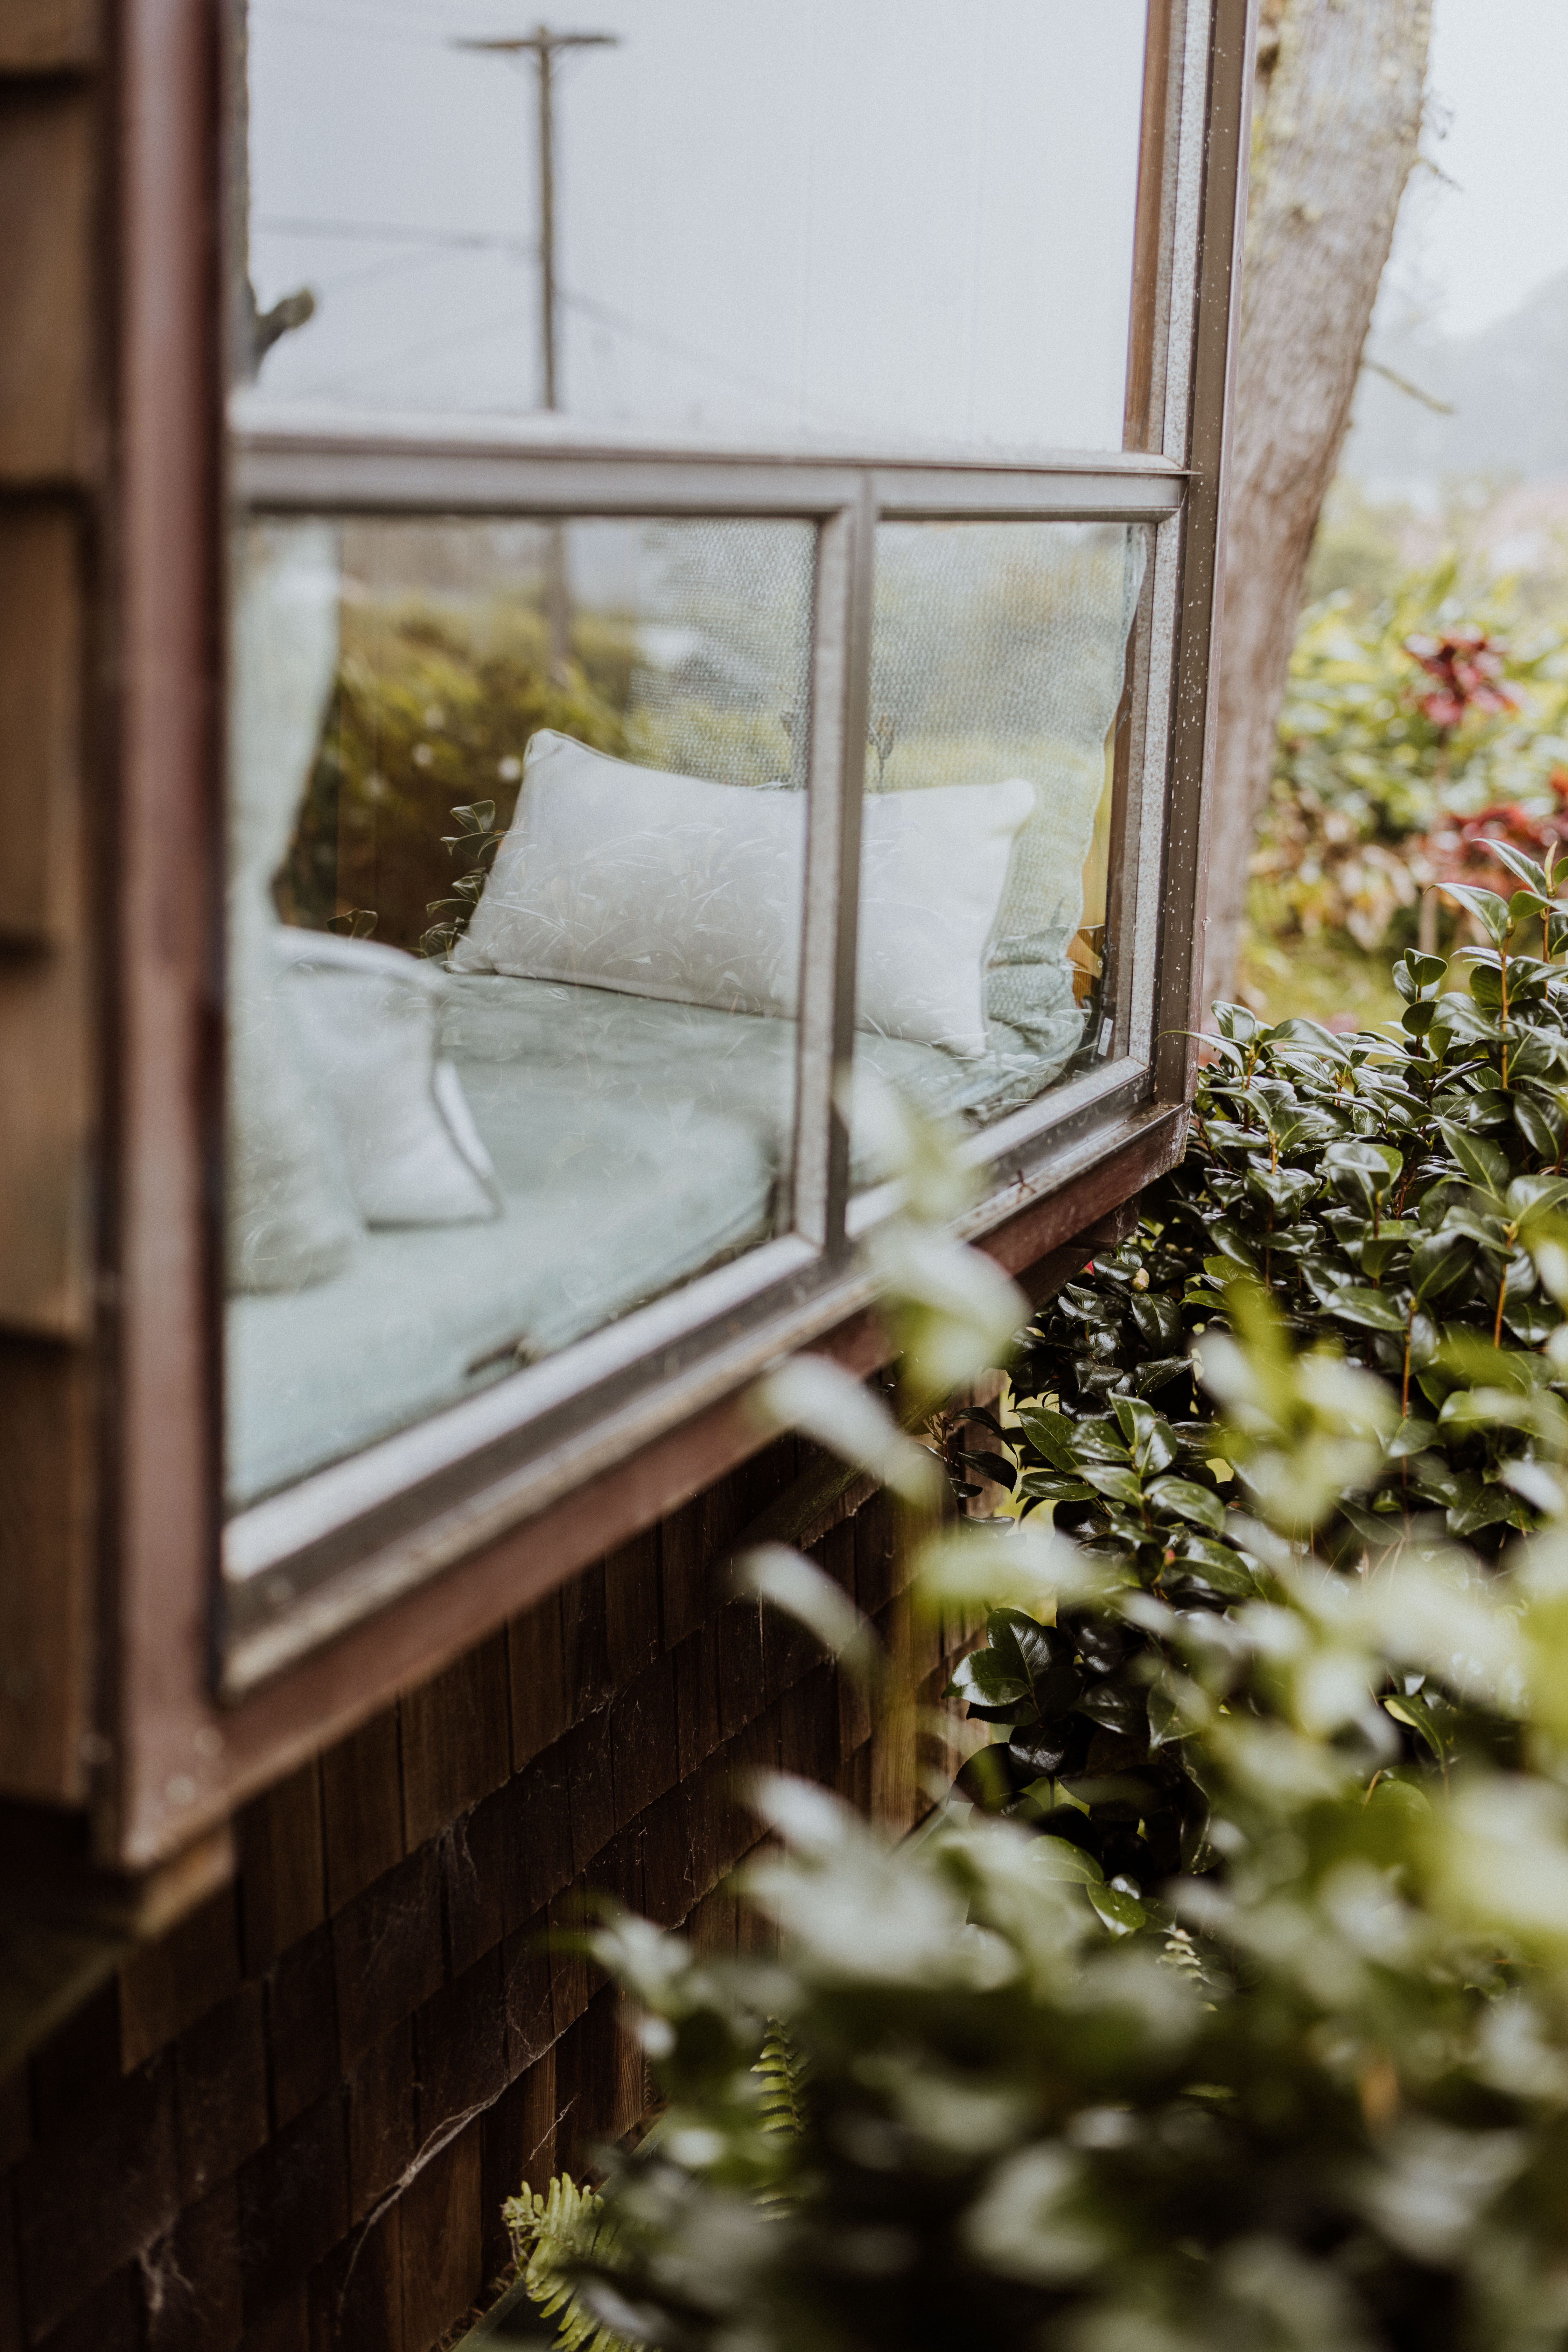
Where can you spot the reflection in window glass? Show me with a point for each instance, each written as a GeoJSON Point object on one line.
{"type": "Point", "coordinates": [515, 916]}
{"type": "Point", "coordinates": [843, 219]}
{"type": "Point", "coordinates": [998, 667]}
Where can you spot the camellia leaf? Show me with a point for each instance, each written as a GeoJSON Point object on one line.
{"type": "Point", "coordinates": [1118, 1907]}
{"type": "Point", "coordinates": [1120, 1484]}
{"type": "Point", "coordinates": [1414, 1711]}
{"type": "Point", "coordinates": [1051, 1486]}
{"type": "Point", "coordinates": [1440, 1262]}
{"type": "Point", "coordinates": [1151, 1439]}
{"type": "Point", "coordinates": [1184, 1498]}
{"type": "Point", "coordinates": [983, 1679]}
{"type": "Point", "coordinates": [1058, 1858]}
{"type": "Point", "coordinates": [1373, 1309]}
{"type": "Point", "coordinates": [1463, 1022]}
{"type": "Point", "coordinates": [1216, 1566]}
{"type": "Point", "coordinates": [1484, 1162]}
{"type": "Point", "coordinates": [1493, 914]}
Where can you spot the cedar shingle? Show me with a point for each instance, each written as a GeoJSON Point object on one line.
{"type": "Point", "coordinates": [742, 1685]}
{"type": "Point", "coordinates": [441, 2227]}
{"type": "Point", "coordinates": [456, 1740]}
{"type": "Point", "coordinates": [473, 1876]}
{"type": "Point", "coordinates": [645, 1745]}
{"type": "Point", "coordinates": [386, 1951]}
{"type": "Point", "coordinates": [459, 2048]}
{"type": "Point", "coordinates": [568, 1966]}
{"type": "Point", "coordinates": [106, 2320]}
{"type": "Point", "coordinates": [590, 1786]}
{"type": "Point", "coordinates": [526, 1995]}
{"type": "Point", "coordinates": [587, 2085]}
{"type": "Point", "coordinates": [167, 1985]}
{"type": "Point", "coordinates": [192, 2279]}
{"type": "Point", "coordinates": [381, 2120]}
{"type": "Point", "coordinates": [293, 2206]}
{"type": "Point", "coordinates": [282, 1884]}
{"type": "Point", "coordinates": [668, 1886]}
{"type": "Point", "coordinates": [80, 2064]}
{"type": "Point", "coordinates": [682, 1574]}
{"type": "Point", "coordinates": [16, 2120]}
{"type": "Point", "coordinates": [361, 1807]}
{"type": "Point", "coordinates": [586, 1643]}
{"type": "Point", "coordinates": [537, 1857]}
{"type": "Point", "coordinates": [302, 2026]}
{"type": "Point", "coordinates": [695, 1669]}
{"type": "Point", "coordinates": [809, 1726]}
{"type": "Point", "coordinates": [356, 2294]}
{"type": "Point", "coordinates": [101, 2187]}
{"type": "Point", "coordinates": [631, 1606]}
{"type": "Point", "coordinates": [220, 2091]}
{"type": "Point", "coordinates": [541, 1703]}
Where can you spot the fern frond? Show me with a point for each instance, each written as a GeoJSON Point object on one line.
{"type": "Point", "coordinates": [551, 2234]}
{"type": "Point", "coordinates": [782, 2072]}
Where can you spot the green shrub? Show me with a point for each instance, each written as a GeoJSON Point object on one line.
{"type": "Point", "coordinates": [1226, 2002]}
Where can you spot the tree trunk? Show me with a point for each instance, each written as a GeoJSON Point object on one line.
{"type": "Point", "coordinates": [1337, 113]}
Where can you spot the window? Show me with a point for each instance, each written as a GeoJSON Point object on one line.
{"type": "Point", "coordinates": [712, 547]}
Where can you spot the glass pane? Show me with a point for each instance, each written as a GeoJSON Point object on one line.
{"type": "Point", "coordinates": [515, 908]}
{"type": "Point", "coordinates": [998, 670]}
{"type": "Point", "coordinates": [862, 220]}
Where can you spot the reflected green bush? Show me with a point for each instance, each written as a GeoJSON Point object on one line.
{"type": "Point", "coordinates": [432, 709]}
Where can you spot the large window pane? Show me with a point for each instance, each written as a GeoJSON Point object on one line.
{"type": "Point", "coordinates": [516, 849]}
{"type": "Point", "coordinates": [841, 219]}
{"type": "Point", "coordinates": [998, 670]}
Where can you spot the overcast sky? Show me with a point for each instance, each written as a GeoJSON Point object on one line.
{"type": "Point", "coordinates": [1499, 76]}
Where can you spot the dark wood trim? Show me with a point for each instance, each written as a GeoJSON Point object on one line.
{"type": "Point", "coordinates": [164, 1046]}
{"type": "Point", "coordinates": [1152, 229]}
{"type": "Point", "coordinates": [1224, 229]}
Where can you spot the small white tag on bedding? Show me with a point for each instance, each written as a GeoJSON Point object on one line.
{"type": "Point", "coordinates": [1102, 1042]}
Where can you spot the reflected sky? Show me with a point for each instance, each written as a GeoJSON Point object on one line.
{"type": "Point", "coordinates": [823, 218]}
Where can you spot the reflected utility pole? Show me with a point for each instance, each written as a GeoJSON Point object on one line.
{"type": "Point", "coordinates": [544, 47]}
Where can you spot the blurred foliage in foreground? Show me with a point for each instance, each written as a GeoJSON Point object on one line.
{"type": "Point", "coordinates": [1225, 2003]}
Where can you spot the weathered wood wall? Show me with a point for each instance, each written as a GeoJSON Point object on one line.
{"type": "Point", "coordinates": [288, 2127]}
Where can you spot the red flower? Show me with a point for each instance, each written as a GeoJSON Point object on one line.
{"type": "Point", "coordinates": [1464, 666]}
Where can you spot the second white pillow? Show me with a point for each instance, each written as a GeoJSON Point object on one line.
{"type": "Point", "coordinates": [618, 876]}
{"type": "Point", "coordinates": [369, 1016]}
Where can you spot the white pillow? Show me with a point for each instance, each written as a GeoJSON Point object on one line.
{"type": "Point", "coordinates": [618, 876]}
{"type": "Point", "coordinates": [369, 1016]}
{"type": "Point", "coordinates": [290, 1220]}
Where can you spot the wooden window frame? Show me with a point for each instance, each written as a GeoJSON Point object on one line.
{"type": "Point", "coordinates": [195, 1720]}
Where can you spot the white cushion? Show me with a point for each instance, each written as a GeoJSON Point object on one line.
{"type": "Point", "coordinates": [619, 876]}
{"type": "Point", "coordinates": [369, 1016]}
{"type": "Point", "coordinates": [290, 1220]}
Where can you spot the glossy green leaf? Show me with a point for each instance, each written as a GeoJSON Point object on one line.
{"type": "Point", "coordinates": [1372, 1310]}
{"type": "Point", "coordinates": [1484, 1162]}
{"type": "Point", "coordinates": [1184, 1498]}
{"type": "Point", "coordinates": [1117, 1907]}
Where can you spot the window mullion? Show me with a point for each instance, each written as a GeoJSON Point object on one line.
{"type": "Point", "coordinates": [840, 664]}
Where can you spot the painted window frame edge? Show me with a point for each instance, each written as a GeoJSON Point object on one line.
{"type": "Point", "coordinates": [246, 1699]}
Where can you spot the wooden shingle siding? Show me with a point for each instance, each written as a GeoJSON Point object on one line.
{"type": "Point", "coordinates": [289, 2124]}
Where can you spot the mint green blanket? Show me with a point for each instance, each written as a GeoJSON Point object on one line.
{"type": "Point", "coordinates": [637, 1143]}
